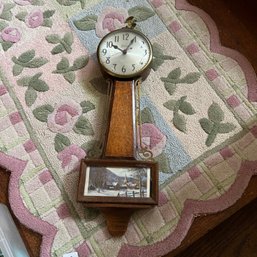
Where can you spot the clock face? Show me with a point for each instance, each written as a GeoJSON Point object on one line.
{"type": "Point", "coordinates": [124, 53]}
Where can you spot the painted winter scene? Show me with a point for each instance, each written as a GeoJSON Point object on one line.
{"type": "Point", "coordinates": [117, 182]}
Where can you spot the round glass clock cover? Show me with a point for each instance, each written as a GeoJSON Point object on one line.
{"type": "Point", "coordinates": [124, 53]}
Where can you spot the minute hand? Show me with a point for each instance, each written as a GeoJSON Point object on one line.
{"type": "Point", "coordinates": [131, 42]}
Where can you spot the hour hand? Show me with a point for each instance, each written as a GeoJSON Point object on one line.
{"type": "Point", "coordinates": [116, 47]}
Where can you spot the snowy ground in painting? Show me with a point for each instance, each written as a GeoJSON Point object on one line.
{"type": "Point", "coordinates": [117, 193]}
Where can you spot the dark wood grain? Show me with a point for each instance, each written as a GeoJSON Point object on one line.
{"type": "Point", "coordinates": [236, 236]}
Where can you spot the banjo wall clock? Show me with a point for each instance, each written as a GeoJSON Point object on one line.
{"type": "Point", "coordinates": [118, 183]}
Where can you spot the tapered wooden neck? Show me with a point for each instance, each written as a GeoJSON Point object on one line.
{"type": "Point", "coordinates": [120, 139]}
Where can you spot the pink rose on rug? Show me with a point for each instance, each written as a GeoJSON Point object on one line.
{"type": "Point", "coordinates": [34, 19]}
{"type": "Point", "coordinates": [110, 19]}
{"type": "Point", "coordinates": [71, 157]}
{"type": "Point", "coordinates": [153, 139]}
{"type": "Point", "coordinates": [64, 117]}
{"type": "Point", "coordinates": [23, 2]}
{"type": "Point", "coordinates": [11, 35]}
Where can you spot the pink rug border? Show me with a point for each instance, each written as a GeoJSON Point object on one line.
{"type": "Point", "coordinates": [192, 208]}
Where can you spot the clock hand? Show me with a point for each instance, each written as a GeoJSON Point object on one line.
{"type": "Point", "coordinates": [131, 42]}
{"type": "Point", "coordinates": [116, 47]}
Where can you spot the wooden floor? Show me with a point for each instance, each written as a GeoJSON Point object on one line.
{"type": "Point", "coordinates": [236, 236]}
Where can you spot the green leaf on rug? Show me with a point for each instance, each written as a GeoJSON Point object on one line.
{"type": "Point", "coordinates": [80, 63]}
{"type": "Point", "coordinates": [84, 127]}
{"type": "Point", "coordinates": [17, 69]}
{"type": "Point", "coordinates": [186, 108]}
{"type": "Point", "coordinates": [66, 47]}
{"type": "Point", "coordinates": [63, 65]}
{"type": "Point", "coordinates": [34, 78]}
{"type": "Point", "coordinates": [163, 162]}
{"type": "Point", "coordinates": [30, 96]}
{"type": "Point", "coordinates": [159, 57]}
{"type": "Point", "coordinates": [211, 137]}
{"type": "Point", "coordinates": [27, 56]}
{"type": "Point", "coordinates": [156, 63]}
{"type": "Point", "coordinates": [67, 2]}
{"type": "Point", "coordinates": [6, 45]}
{"type": "Point", "coordinates": [63, 43]}
{"type": "Point", "coordinates": [68, 38]}
{"type": "Point", "coordinates": [47, 23]}
{"type": "Point", "coordinates": [3, 25]}
{"type": "Point", "coordinates": [174, 74]}
{"type": "Point", "coordinates": [21, 15]}
{"type": "Point", "coordinates": [37, 2]}
{"type": "Point", "coordinates": [170, 104]}
{"type": "Point", "coordinates": [53, 39]}
{"type": "Point", "coordinates": [6, 13]}
{"type": "Point", "coordinates": [48, 13]}
{"type": "Point", "coordinates": [226, 128]}
{"type": "Point", "coordinates": [33, 82]}
{"type": "Point", "coordinates": [206, 125]}
{"type": "Point", "coordinates": [87, 106]}
{"type": "Point", "coordinates": [61, 142]}
{"type": "Point", "coordinates": [100, 85]}
{"type": "Point", "coordinates": [70, 76]}
{"type": "Point", "coordinates": [157, 50]}
{"type": "Point", "coordinates": [190, 78]}
{"type": "Point", "coordinates": [36, 62]}
{"type": "Point", "coordinates": [93, 148]}
{"type": "Point", "coordinates": [215, 113]}
{"type": "Point", "coordinates": [24, 81]}
{"type": "Point", "coordinates": [41, 113]}
{"type": "Point", "coordinates": [57, 49]}
{"type": "Point", "coordinates": [6, 16]}
{"type": "Point", "coordinates": [27, 60]}
{"type": "Point", "coordinates": [8, 7]}
{"type": "Point", "coordinates": [147, 116]}
{"type": "Point", "coordinates": [141, 13]}
{"type": "Point", "coordinates": [179, 122]}
{"type": "Point", "coordinates": [174, 78]}
{"type": "Point", "coordinates": [86, 23]}
{"type": "Point", "coordinates": [170, 88]}
{"type": "Point", "coordinates": [213, 124]}
{"type": "Point", "coordinates": [40, 86]}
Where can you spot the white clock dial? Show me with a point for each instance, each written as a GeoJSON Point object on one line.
{"type": "Point", "coordinates": [124, 53]}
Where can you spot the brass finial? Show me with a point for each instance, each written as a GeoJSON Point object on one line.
{"type": "Point", "coordinates": [131, 22]}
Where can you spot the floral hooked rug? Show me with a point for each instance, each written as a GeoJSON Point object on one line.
{"type": "Point", "coordinates": [198, 109]}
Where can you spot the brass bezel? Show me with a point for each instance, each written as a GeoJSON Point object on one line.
{"type": "Point", "coordinates": [129, 76]}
